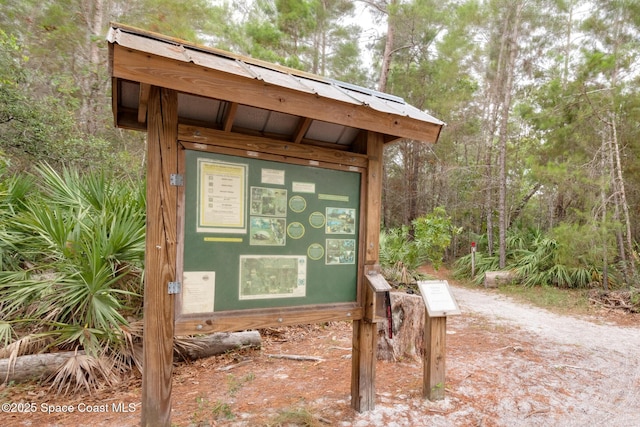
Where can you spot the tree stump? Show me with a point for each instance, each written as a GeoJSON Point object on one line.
{"type": "Point", "coordinates": [408, 312]}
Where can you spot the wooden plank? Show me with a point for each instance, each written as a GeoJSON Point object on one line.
{"type": "Point", "coordinates": [115, 98]}
{"type": "Point", "coordinates": [143, 101]}
{"type": "Point", "coordinates": [230, 116]}
{"type": "Point", "coordinates": [180, 225]}
{"type": "Point", "coordinates": [303, 127]}
{"type": "Point", "coordinates": [363, 368]}
{"type": "Point", "coordinates": [375, 296]}
{"type": "Point", "coordinates": [363, 365]}
{"type": "Point", "coordinates": [375, 153]}
{"type": "Point", "coordinates": [207, 50]}
{"type": "Point", "coordinates": [433, 384]}
{"type": "Point", "coordinates": [237, 320]}
{"type": "Point", "coordinates": [160, 258]}
{"type": "Point", "coordinates": [377, 282]}
{"type": "Point", "coordinates": [128, 119]}
{"type": "Point", "coordinates": [288, 151]}
{"type": "Point", "coordinates": [190, 78]}
{"type": "Point", "coordinates": [369, 304]}
{"type": "Point", "coordinates": [267, 156]}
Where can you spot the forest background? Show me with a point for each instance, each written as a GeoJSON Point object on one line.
{"type": "Point", "coordinates": [537, 164]}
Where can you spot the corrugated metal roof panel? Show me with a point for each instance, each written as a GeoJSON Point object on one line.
{"type": "Point", "coordinates": [251, 118]}
{"type": "Point", "coordinates": [348, 136]}
{"type": "Point", "coordinates": [146, 44]}
{"type": "Point", "coordinates": [418, 114]}
{"type": "Point", "coordinates": [375, 103]}
{"type": "Point", "coordinates": [327, 90]}
{"type": "Point", "coordinates": [216, 62]}
{"type": "Point", "coordinates": [281, 124]}
{"type": "Point", "coordinates": [277, 78]}
{"type": "Point", "coordinates": [323, 131]}
{"type": "Point", "coordinates": [199, 108]}
{"type": "Point", "coordinates": [263, 116]}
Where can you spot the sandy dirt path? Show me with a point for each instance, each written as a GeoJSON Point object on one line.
{"type": "Point", "coordinates": [528, 367]}
{"type": "Point", "coordinates": [507, 364]}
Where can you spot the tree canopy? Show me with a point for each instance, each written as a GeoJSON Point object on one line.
{"type": "Point", "coordinates": [540, 98]}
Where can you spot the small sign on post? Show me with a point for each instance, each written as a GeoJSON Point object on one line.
{"type": "Point", "coordinates": [439, 303]}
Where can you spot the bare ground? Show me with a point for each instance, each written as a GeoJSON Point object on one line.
{"type": "Point", "coordinates": [508, 364]}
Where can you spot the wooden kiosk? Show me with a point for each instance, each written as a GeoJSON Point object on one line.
{"type": "Point", "coordinates": [263, 198]}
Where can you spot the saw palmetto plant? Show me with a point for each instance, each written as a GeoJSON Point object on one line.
{"type": "Point", "coordinates": [71, 263]}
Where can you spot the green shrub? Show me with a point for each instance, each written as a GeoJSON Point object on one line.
{"type": "Point", "coordinates": [565, 258]}
{"type": "Point", "coordinates": [72, 262]}
{"type": "Point", "coordinates": [404, 249]}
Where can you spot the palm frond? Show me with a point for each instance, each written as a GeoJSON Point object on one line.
{"type": "Point", "coordinates": [61, 190]}
{"type": "Point", "coordinates": [96, 190]}
{"type": "Point", "coordinates": [127, 352]}
{"type": "Point", "coordinates": [123, 235]}
{"type": "Point", "coordinates": [83, 372]}
{"type": "Point", "coordinates": [7, 335]}
{"type": "Point", "coordinates": [23, 297]}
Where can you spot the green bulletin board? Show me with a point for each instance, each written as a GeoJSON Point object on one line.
{"type": "Point", "coordinates": [262, 234]}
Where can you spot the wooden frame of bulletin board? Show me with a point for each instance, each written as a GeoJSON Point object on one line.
{"type": "Point", "coordinates": [266, 239]}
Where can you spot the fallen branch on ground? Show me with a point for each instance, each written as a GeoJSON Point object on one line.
{"type": "Point", "coordinates": [614, 300]}
{"type": "Point", "coordinates": [296, 357]}
{"type": "Point", "coordinates": [235, 365]}
{"type": "Point", "coordinates": [32, 366]}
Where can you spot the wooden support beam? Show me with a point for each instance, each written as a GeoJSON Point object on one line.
{"type": "Point", "coordinates": [375, 156]}
{"type": "Point", "coordinates": [230, 116]}
{"type": "Point", "coordinates": [143, 101]}
{"type": "Point", "coordinates": [160, 257]}
{"type": "Point", "coordinates": [303, 127]}
{"type": "Point", "coordinates": [288, 151]}
{"type": "Point", "coordinates": [363, 364]}
{"type": "Point", "coordinates": [363, 368]}
{"type": "Point", "coordinates": [115, 96]}
{"type": "Point", "coordinates": [265, 318]}
{"type": "Point", "coordinates": [435, 337]}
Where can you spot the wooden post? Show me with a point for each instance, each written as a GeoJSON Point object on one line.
{"type": "Point", "coordinates": [160, 257]}
{"type": "Point", "coordinates": [434, 357]}
{"type": "Point", "coordinates": [363, 363]}
{"type": "Point", "coordinates": [473, 260]}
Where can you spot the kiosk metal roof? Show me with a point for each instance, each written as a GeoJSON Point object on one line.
{"type": "Point", "coordinates": [220, 90]}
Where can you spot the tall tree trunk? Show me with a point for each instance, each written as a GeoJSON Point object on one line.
{"type": "Point", "coordinates": [567, 47]}
{"type": "Point", "coordinates": [93, 86]}
{"type": "Point", "coordinates": [492, 110]}
{"type": "Point", "coordinates": [489, 198]}
{"type": "Point", "coordinates": [608, 120]}
{"type": "Point", "coordinates": [612, 123]}
{"type": "Point", "coordinates": [603, 216]}
{"type": "Point", "coordinates": [609, 153]}
{"type": "Point", "coordinates": [414, 165]}
{"type": "Point", "coordinates": [622, 197]}
{"type": "Point", "coordinates": [388, 50]}
{"type": "Point", "coordinates": [382, 87]}
{"type": "Point", "coordinates": [509, 71]}
{"type": "Point", "coordinates": [518, 210]}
